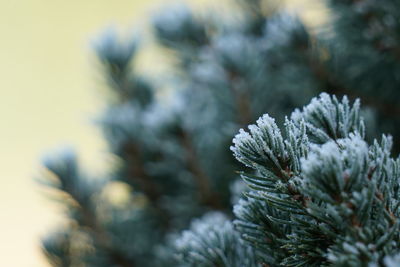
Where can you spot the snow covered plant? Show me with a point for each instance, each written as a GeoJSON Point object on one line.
{"type": "Point", "coordinates": [319, 195]}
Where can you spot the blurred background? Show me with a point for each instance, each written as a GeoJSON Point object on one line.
{"type": "Point", "coordinates": [49, 94]}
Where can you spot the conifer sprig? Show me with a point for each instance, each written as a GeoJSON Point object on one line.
{"type": "Point", "coordinates": [337, 206]}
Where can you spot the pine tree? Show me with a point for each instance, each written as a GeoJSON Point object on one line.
{"type": "Point", "coordinates": [173, 152]}
{"type": "Point", "coordinates": [319, 195]}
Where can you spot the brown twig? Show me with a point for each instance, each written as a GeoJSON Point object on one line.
{"type": "Point", "coordinates": [206, 194]}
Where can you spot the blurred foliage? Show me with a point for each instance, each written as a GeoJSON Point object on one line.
{"type": "Point", "coordinates": [173, 147]}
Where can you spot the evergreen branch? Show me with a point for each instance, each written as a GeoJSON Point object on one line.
{"type": "Point", "coordinates": [206, 194]}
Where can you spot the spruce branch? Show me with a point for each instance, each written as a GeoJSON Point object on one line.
{"type": "Point", "coordinates": [69, 180]}
{"type": "Point", "coordinates": [212, 241]}
{"type": "Point", "coordinates": [324, 183]}
{"type": "Point", "coordinates": [206, 193]}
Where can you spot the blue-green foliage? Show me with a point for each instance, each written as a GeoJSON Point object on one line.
{"type": "Point", "coordinates": [363, 40]}
{"type": "Point", "coordinates": [320, 194]}
{"type": "Point", "coordinates": [212, 241]}
{"type": "Point", "coordinates": [172, 154]}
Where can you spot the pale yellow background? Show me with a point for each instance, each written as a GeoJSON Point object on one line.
{"type": "Point", "coordinates": [47, 98]}
{"type": "Point", "coordinates": [48, 95]}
